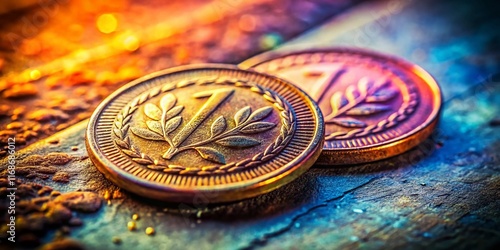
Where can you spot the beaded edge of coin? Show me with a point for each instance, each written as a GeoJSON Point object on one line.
{"type": "Point", "coordinates": [219, 193]}
{"type": "Point", "coordinates": [382, 150]}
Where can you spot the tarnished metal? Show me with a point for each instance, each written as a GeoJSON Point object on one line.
{"type": "Point", "coordinates": [210, 130]}
{"type": "Point", "coordinates": [375, 106]}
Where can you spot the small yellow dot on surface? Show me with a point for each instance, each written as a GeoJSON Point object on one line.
{"type": "Point", "coordinates": [131, 225]}
{"type": "Point", "coordinates": [107, 195]}
{"type": "Point", "coordinates": [35, 74]}
{"type": "Point", "coordinates": [135, 217]}
{"type": "Point", "coordinates": [116, 240]}
{"type": "Point", "coordinates": [107, 23]}
{"type": "Point", "coordinates": [150, 231]}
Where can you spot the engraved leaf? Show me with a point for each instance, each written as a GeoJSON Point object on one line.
{"type": "Point", "coordinates": [152, 111]}
{"type": "Point", "coordinates": [348, 122]}
{"type": "Point", "coordinates": [203, 94]}
{"type": "Point", "coordinates": [143, 161]}
{"type": "Point", "coordinates": [242, 115]}
{"type": "Point", "coordinates": [174, 111]}
{"type": "Point", "coordinates": [122, 144]}
{"type": "Point", "coordinates": [368, 109]}
{"type": "Point", "coordinates": [218, 126]}
{"type": "Point", "coordinates": [211, 154]}
{"type": "Point", "coordinates": [238, 142]}
{"type": "Point", "coordinates": [257, 127]}
{"type": "Point", "coordinates": [363, 85]}
{"type": "Point", "coordinates": [260, 114]}
{"type": "Point", "coordinates": [336, 102]}
{"type": "Point", "coordinates": [382, 95]}
{"type": "Point", "coordinates": [146, 134]}
{"type": "Point", "coordinates": [167, 102]}
{"type": "Point", "coordinates": [172, 124]}
{"type": "Point", "coordinates": [350, 93]}
{"type": "Point", "coordinates": [154, 126]}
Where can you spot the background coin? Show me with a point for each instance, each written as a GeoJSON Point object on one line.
{"type": "Point", "coordinates": [375, 106]}
{"type": "Point", "coordinates": [210, 132]}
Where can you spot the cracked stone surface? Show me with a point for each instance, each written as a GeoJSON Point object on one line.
{"type": "Point", "coordinates": [445, 193]}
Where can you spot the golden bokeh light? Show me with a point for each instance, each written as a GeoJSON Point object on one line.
{"type": "Point", "coordinates": [107, 23]}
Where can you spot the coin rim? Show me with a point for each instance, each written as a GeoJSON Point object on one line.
{"type": "Point", "coordinates": [382, 150]}
{"type": "Point", "coordinates": [222, 192]}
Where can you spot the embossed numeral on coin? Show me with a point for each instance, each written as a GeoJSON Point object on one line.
{"type": "Point", "coordinates": [217, 97]}
{"type": "Point", "coordinates": [166, 118]}
{"type": "Point", "coordinates": [327, 77]}
{"type": "Point", "coordinates": [166, 137]}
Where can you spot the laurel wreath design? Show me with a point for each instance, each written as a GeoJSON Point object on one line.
{"type": "Point", "coordinates": [243, 118]}
{"type": "Point", "coordinates": [360, 100]}
{"type": "Point", "coordinates": [165, 119]}
{"type": "Point", "coordinates": [364, 99]}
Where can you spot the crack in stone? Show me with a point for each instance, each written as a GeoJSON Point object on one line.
{"type": "Point", "coordinates": [263, 239]}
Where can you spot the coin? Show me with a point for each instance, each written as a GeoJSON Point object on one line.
{"type": "Point", "coordinates": [207, 132]}
{"type": "Point", "coordinates": [375, 106]}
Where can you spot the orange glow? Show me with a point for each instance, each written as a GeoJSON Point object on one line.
{"type": "Point", "coordinates": [35, 74]}
{"type": "Point", "coordinates": [82, 55]}
{"type": "Point", "coordinates": [129, 40]}
{"type": "Point", "coordinates": [247, 23]}
{"type": "Point", "coordinates": [107, 23]}
{"type": "Point", "coordinates": [131, 43]}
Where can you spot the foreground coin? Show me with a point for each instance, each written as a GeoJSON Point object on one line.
{"type": "Point", "coordinates": [213, 133]}
{"type": "Point", "coordinates": [375, 106]}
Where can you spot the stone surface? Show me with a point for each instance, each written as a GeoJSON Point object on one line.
{"type": "Point", "coordinates": [442, 194]}
{"type": "Point", "coordinates": [201, 31]}
{"type": "Point", "coordinates": [80, 201]}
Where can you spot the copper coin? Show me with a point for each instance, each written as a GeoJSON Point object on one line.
{"type": "Point", "coordinates": [375, 106]}
{"type": "Point", "coordinates": [211, 133]}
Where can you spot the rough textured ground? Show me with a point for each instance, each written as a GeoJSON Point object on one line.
{"type": "Point", "coordinates": [35, 104]}
{"type": "Point", "coordinates": [444, 193]}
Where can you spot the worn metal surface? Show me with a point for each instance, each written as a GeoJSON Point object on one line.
{"type": "Point", "coordinates": [375, 106]}
{"type": "Point", "coordinates": [443, 194]}
{"type": "Point", "coordinates": [175, 138]}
